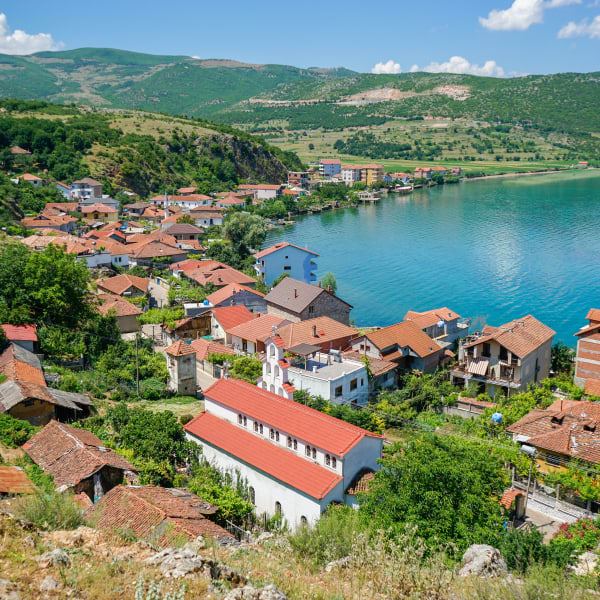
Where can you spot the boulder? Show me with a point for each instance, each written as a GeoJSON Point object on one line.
{"type": "Point", "coordinates": [55, 558]}
{"type": "Point", "coordinates": [8, 590]}
{"type": "Point", "coordinates": [484, 561]}
{"type": "Point", "coordinates": [586, 564]}
{"type": "Point", "coordinates": [50, 584]}
{"type": "Point", "coordinates": [248, 592]}
{"type": "Point", "coordinates": [340, 563]}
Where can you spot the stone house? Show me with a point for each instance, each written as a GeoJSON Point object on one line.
{"type": "Point", "coordinates": [298, 301]}
{"type": "Point", "coordinates": [125, 313]}
{"type": "Point", "coordinates": [181, 363]}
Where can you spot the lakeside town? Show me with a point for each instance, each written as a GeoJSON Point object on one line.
{"type": "Point", "coordinates": [251, 370]}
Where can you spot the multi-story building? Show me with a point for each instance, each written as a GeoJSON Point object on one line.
{"type": "Point", "coordinates": [298, 178]}
{"type": "Point", "coordinates": [350, 174]}
{"type": "Point", "coordinates": [505, 359]}
{"type": "Point", "coordinates": [296, 460]}
{"type": "Point", "coordinates": [371, 174]}
{"type": "Point", "coordinates": [587, 361]}
{"type": "Point", "coordinates": [283, 257]}
{"type": "Point", "coordinates": [263, 191]}
{"type": "Point", "coordinates": [441, 324]}
{"type": "Point", "coordinates": [329, 167]}
{"type": "Point", "coordinates": [87, 189]}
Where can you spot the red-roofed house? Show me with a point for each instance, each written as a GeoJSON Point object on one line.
{"type": "Point", "coordinates": [21, 335]}
{"type": "Point", "coordinates": [587, 361]}
{"type": "Point", "coordinates": [235, 294]}
{"type": "Point", "coordinates": [263, 191]}
{"type": "Point", "coordinates": [249, 336]}
{"type": "Point", "coordinates": [181, 362]}
{"type": "Point", "coordinates": [100, 212]}
{"type": "Point", "coordinates": [296, 460]}
{"type": "Point", "coordinates": [283, 257]}
{"type": "Point", "coordinates": [329, 167]}
{"type": "Point", "coordinates": [442, 324]}
{"type": "Point", "coordinates": [226, 318]}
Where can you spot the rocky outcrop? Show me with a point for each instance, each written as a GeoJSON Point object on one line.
{"type": "Point", "coordinates": [586, 564]}
{"type": "Point", "coordinates": [269, 592]}
{"type": "Point", "coordinates": [483, 561]}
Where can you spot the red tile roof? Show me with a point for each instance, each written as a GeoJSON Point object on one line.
{"type": "Point", "coordinates": [220, 277]}
{"type": "Point", "coordinates": [17, 363]}
{"type": "Point", "coordinates": [328, 331]}
{"type": "Point", "coordinates": [404, 334]}
{"type": "Point", "coordinates": [204, 348]}
{"type": "Point", "coordinates": [276, 461]}
{"type": "Point", "coordinates": [121, 283]}
{"type": "Point", "coordinates": [70, 454]}
{"type": "Point", "coordinates": [330, 161]}
{"type": "Point", "coordinates": [592, 387]}
{"type": "Point", "coordinates": [431, 317]}
{"type": "Point", "coordinates": [230, 316]}
{"type": "Point", "coordinates": [361, 482]}
{"type": "Point", "coordinates": [257, 329]}
{"type": "Point", "coordinates": [316, 428]}
{"type": "Point", "coordinates": [20, 333]}
{"type": "Point", "coordinates": [280, 246]}
{"type": "Point", "coordinates": [509, 497]}
{"type": "Point", "coordinates": [180, 348]}
{"type": "Point", "coordinates": [118, 305]}
{"type": "Point", "coordinates": [13, 480]}
{"type": "Point", "coordinates": [228, 291]}
{"type": "Point", "coordinates": [146, 510]}
{"type": "Point", "coordinates": [378, 366]}
{"type": "Point", "coordinates": [260, 186]}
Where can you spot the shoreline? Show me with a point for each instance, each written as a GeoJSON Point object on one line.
{"type": "Point", "coordinates": [527, 174]}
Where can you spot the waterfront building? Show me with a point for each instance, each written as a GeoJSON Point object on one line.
{"type": "Point", "coordinates": [441, 324]}
{"type": "Point", "coordinates": [329, 167]}
{"type": "Point", "coordinates": [587, 360]}
{"type": "Point", "coordinates": [283, 257]}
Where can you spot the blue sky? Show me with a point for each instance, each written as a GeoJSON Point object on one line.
{"type": "Point", "coordinates": [495, 37]}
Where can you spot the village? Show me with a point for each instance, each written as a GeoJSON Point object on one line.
{"type": "Point", "coordinates": [283, 395]}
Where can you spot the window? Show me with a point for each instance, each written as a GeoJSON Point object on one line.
{"type": "Point", "coordinates": [261, 429]}
{"type": "Point", "coordinates": [362, 381]}
{"type": "Point", "coordinates": [272, 350]}
{"type": "Point", "coordinates": [486, 351]}
{"type": "Point", "coordinates": [276, 370]}
{"type": "Point", "coordinates": [277, 436]}
{"type": "Point", "coordinates": [338, 391]}
{"type": "Point", "coordinates": [287, 268]}
{"type": "Point", "coordinates": [327, 459]}
{"type": "Point", "coordinates": [311, 310]}
{"type": "Point", "coordinates": [278, 510]}
{"type": "Point", "coordinates": [272, 434]}
{"type": "Point", "coordinates": [503, 353]}
{"type": "Point", "coordinates": [303, 521]}
{"type": "Point", "coordinates": [295, 444]}
{"type": "Point", "coordinates": [289, 442]}
{"type": "Point", "coordinates": [307, 450]}
{"type": "Point", "coordinates": [552, 459]}
{"type": "Point", "coordinates": [333, 462]}
{"type": "Point", "coordinates": [251, 495]}
{"type": "Point", "coordinates": [245, 422]}
{"type": "Point", "coordinates": [353, 384]}
{"type": "Point", "coordinates": [240, 420]}
{"type": "Point", "coordinates": [314, 453]}
{"type": "Point", "coordinates": [255, 426]}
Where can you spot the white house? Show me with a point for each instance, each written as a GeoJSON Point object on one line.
{"type": "Point", "coordinates": [351, 174]}
{"type": "Point", "coordinates": [295, 460]}
{"type": "Point", "coordinates": [329, 167]}
{"type": "Point", "coordinates": [263, 191]}
{"type": "Point", "coordinates": [325, 374]}
{"type": "Point", "coordinates": [283, 257]}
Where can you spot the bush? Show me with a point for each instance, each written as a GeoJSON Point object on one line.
{"type": "Point", "coordinates": [49, 510]}
{"type": "Point", "coordinates": [523, 548]}
{"type": "Point", "coordinates": [15, 432]}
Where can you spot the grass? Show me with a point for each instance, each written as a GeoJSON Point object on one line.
{"type": "Point", "coordinates": [184, 405]}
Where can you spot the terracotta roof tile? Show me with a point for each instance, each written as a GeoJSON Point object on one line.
{"type": "Point", "coordinates": [405, 334]}
{"type": "Point", "coordinates": [431, 317]}
{"type": "Point", "coordinates": [20, 333]}
{"type": "Point", "coordinates": [180, 348]}
{"type": "Point", "coordinates": [509, 497]}
{"type": "Point", "coordinates": [121, 283]}
{"type": "Point", "coordinates": [280, 246]}
{"type": "Point", "coordinates": [204, 348]}
{"type": "Point", "coordinates": [283, 465]}
{"type": "Point", "coordinates": [229, 291]}
{"type": "Point", "coordinates": [361, 482]}
{"type": "Point", "coordinates": [13, 480]}
{"type": "Point", "coordinates": [257, 329]}
{"type": "Point", "coordinates": [328, 331]}
{"type": "Point", "coordinates": [120, 306]}
{"type": "Point", "coordinates": [230, 316]}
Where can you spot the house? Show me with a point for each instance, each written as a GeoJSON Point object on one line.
{"type": "Point", "coordinates": [24, 395]}
{"type": "Point", "coordinates": [136, 208]}
{"type": "Point", "coordinates": [442, 324]}
{"type": "Point", "coordinates": [262, 191]}
{"type": "Point", "coordinates": [248, 337]}
{"type": "Point", "coordinates": [329, 167]}
{"type": "Point", "coordinates": [404, 344]}
{"type": "Point", "coordinates": [351, 174]}
{"type": "Point", "coordinates": [298, 178]}
{"type": "Point", "coordinates": [32, 179]}
{"type": "Point", "coordinates": [583, 164]}
{"type": "Point", "coordinates": [125, 313]}
{"type": "Point", "coordinates": [226, 318]}
{"type": "Point", "coordinates": [423, 173]}
{"type": "Point", "coordinates": [186, 191]}
{"type": "Point", "coordinates": [325, 332]}
{"type": "Point", "coordinates": [283, 257]}
{"type": "Point", "coordinates": [440, 170]}
{"type": "Point", "coordinates": [86, 189]}
{"type": "Point", "coordinates": [14, 481]}
{"type": "Point", "coordinates": [183, 231]}
{"type": "Point", "coordinates": [456, 171]}
{"type": "Point", "coordinates": [78, 460]}
{"type": "Point", "coordinates": [296, 300]}
{"type": "Point", "coordinates": [160, 516]}
{"type": "Point", "coordinates": [295, 460]}
{"type": "Point", "coordinates": [404, 178]}
{"type": "Point", "coordinates": [63, 207]}
{"type": "Point", "coordinates": [326, 374]}
{"type": "Point", "coordinates": [587, 359]}
{"type": "Point", "coordinates": [188, 328]}
{"type": "Point", "coordinates": [181, 363]}
{"type": "Point", "coordinates": [566, 431]}
{"type": "Point", "coordinates": [21, 335]}
{"type": "Point", "coordinates": [371, 174]}
{"type": "Point", "coordinates": [64, 189]}
{"type": "Point", "coordinates": [235, 294]}
{"type": "Point", "coordinates": [124, 285]}
{"type": "Point", "coordinates": [44, 222]}
{"type": "Point", "coordinates": [230, 202]}
{"type": "Point", "coordinates": [147, 253]}
{"type": "Point", "coordinates": [207, 218]}
{"type": "Point", "coordinates": [100, 212]}
{"type": "Point", "coordinates": [383, 372]}
{"type": "Point", "coordinates": [506, 358]}
{"type": "Point", "coordinates": [220, 276]}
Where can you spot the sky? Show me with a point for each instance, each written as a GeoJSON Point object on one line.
{"type": "Point", "coordinates": [501, 38]}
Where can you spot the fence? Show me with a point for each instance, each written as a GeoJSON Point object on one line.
{"type": "Point", "coordinates": [240, 534]}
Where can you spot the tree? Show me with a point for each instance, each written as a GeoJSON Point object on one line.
{"type": "Point", "coordinates": [244, 231]}
{"type": "Point", "coordinates": [186, 219]}
{"type": "Point", "coordinates": [328, 281]}
{"type": "Point", "coordinates": [562, 358]}
{"type": "Point", "coordinates": [445, 487]}
{"type": "Point", "coordinates": [279, 279]}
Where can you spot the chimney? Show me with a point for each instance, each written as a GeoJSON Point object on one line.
{"type": "Point", "coordinates": [295, 293]}
{"type": "Point", "coordinates": [319, 284]}
{"type": "Point", "coordinates": [314, 330]}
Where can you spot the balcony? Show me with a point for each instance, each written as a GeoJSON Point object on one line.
{"type": "Point", "coordinates": [469, 372]}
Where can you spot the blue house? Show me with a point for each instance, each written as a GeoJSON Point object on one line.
{"type": "Point", "coordinates": [284, 257]}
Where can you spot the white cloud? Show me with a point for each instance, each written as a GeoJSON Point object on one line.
{"type": "Point", "coordinates": [19, 42]}
{"type": "Point", "coordinates": [582, 29]}
{"type": "Point", "coordinates": [521, 14]}
{"type": "Point", "coordinates": [388, 68]}
{"type": "Point", "coordinates": [460, 65]}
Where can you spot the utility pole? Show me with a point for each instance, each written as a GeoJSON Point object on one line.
{"type": "Point", "coordinates": [137, 367]}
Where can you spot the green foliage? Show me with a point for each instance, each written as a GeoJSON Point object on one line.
{"type": "Point", "coordinates": [15, 432]}
{"type": "Point", "coordinates": [245, 232]}
{"type": "Point", "coordinates": [581, 536]}
{"type": "Point", "coordinates": [183, 290]}
{"type": "Point", "coordinates": [48, 510]}
{"type": "Point", "coordinates": [445, 487]}
{"type": "Point", "coordinates": [562, 358]}
{"type": "Point", "coordinates": [227, 491]}
{"type": "Point", "coordinates": [521, 549]}
{"type": "Point", "coordinates": [247, 368]}
{"type": "Point", "coordinates": [167, 315]}
{"type": "Point", "coordinates": [328, 281]}
{"type": "Point", "coordinates": [279, 279]}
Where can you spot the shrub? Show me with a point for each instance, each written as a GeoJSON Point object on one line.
{"type": "Point", "coordinates": [49, 510]}
{"type": "Point", "coordinates": [583, 535]}
{"type": "Point", "coordinates": [15, 432]}
{"type": "Point", "coordinates": [522, 548]}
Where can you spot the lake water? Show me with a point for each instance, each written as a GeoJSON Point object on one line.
{"type": "Point", "coordinates": [492, 250]}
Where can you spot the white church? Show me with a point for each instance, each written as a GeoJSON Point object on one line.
{"type": "Point", "coordinates": [296, 460]}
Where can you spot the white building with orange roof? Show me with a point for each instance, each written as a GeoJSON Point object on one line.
{"type": "Point", "coordinates": [442, 324]}
{"type": "Point", "coordinates": [296, 460]}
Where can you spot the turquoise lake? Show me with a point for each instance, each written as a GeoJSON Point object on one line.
{"type": "Point", "coordinates": [492, 250]}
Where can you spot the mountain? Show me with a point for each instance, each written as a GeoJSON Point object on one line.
{"type": "Point", "coordinates": [123, 79]}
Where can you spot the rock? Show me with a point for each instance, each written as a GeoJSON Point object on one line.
{"type": "Point", "coordinates": [271, 592]}
{"type": "Point", "coordinates": [8, 590]}
{"type": "Point", "coordinates": [586, 564]}
{"type": "Point", "coordinates": [50, 584]}
{"type": "Point", "coordinates": [82, 536]}
{"type": "Point", "coordinates": [248, 592]}
{"type": "Point", "coordinates": [198, 544]}
{"type": "Point", "coordinates": [340, 563]}
{"type": "Point", "coordinates": [263, 537]}
{"type": "Point", "coordinates": [484, 561]}
{"type": "Point", "coordinates": [57, 557]}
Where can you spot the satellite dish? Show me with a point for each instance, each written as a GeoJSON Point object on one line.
{"type": "Point", "coordinates": [497, 417]}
